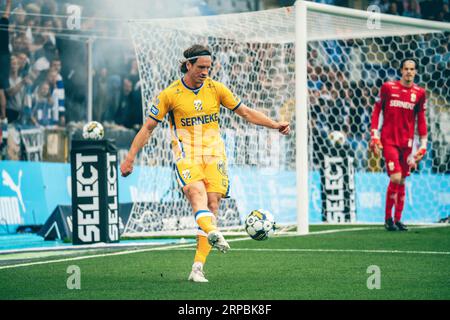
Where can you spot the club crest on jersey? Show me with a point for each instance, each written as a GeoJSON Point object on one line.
{"type": "Point", "coordinates": [198, 105]}
{"type": "Point", "coordinates": [413, 97]}
{"type": "Point", "coordinates": [391, 165]}
{"type": "Point", "coordinates": [221, 167]}
{"type": "Point", "coordinates": [186, 174]}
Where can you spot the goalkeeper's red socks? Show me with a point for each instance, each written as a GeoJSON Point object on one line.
{"type": "Point", "coordinates": [391, 198]}
{"type": "Point", "coordinates": [400, 202]}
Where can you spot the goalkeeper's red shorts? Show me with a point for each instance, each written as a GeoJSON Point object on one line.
{"type": "Point", "coordinates": [396, 159]}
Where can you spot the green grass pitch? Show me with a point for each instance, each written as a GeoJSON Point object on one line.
{"type": "Point", "coordinates": [413, 265]}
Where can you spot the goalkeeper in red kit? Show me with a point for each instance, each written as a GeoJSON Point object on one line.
{"type": "Point", "coordinates": [402, 104]}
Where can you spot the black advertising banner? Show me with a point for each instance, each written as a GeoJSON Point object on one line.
{"type": "Point", "coordinates": [60, 226]}
{"type": "Point", "coordinates": [112, 195]}
{"type": "Point", "coordinates": [337, 175]}
{"type": "Point", "coordinates": [94, 191]}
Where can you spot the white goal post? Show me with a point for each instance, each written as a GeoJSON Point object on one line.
{"type": "Point", "coordinates": [315, 65]}
{"type": "Point", "coordinates": [312, 24]}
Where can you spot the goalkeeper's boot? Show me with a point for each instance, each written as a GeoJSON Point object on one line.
{"type": "Point", "coordinates": [216, 239]}
{"type": "Point", "coordinates": [389, 225]}
{"type": "Point", "coordinates": [400, 226]}
{"type": "Point", "coordinates": [197, 274]}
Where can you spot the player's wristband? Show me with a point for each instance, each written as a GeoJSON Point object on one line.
{"type": "Point", "coordinates": [423, 143]}
{"type": "Point", "coordinates": [375, 134]}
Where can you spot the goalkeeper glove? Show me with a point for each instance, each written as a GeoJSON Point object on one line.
{"type": "Point", "coordinates": [413, 162]}
{"type": "Point", "coordinates": [375, 143]}
{"type": "Point", "coordinates": [420, 154]}
{"type": "Point", "coordinates": [422, 149]}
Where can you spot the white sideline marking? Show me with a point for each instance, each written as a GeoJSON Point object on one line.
{"type": "Point", "coordinates": [94, 256]}
{"type": "Point", "coordinates": [171, 247]}
{"type": "Point", "coordinates": [94, 246]}
{"type": "Point", "coordinates": [330, 250]}
{"type": "Point", "coordinates": [291, 234]}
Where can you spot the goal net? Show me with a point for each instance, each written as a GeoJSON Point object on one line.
{"type": "Point", "coordinates": [254, 54]}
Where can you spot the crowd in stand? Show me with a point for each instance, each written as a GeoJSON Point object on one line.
{"type": "Point", "coordinates": [343, 100]}
{"type": "Point", "coordinates": [32, 87]}
{"type": "Point", "coordinates": [426, 9]}
{"type": "Point", "coordinates": [43, 74]}
{"type": "Point", "coordinates": [43, 70]}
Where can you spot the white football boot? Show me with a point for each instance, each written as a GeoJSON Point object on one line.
{"type": "Point", "coordinates": [216, 239]}
{"type": "Point", "coordinates": [197, 274]}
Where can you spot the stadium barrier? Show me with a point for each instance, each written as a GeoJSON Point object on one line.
{"type": "Point", "coordinates": [29, 194]}
{"type": "Point", "coordinates": [52, 143]}
{"type": "Point", "coordinates": [59, 225]}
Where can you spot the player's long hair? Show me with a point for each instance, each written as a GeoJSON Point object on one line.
{"type": "Point", "coordinates": [191, 54]}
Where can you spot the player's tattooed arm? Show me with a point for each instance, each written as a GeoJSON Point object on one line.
{"type": "Point", "coordinates": [259, 118]}
{"type": "Point", "coordinates": [138, 143]}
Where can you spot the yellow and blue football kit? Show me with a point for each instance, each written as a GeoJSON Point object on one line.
{"type": "Point", "coordinates": [198, 149]}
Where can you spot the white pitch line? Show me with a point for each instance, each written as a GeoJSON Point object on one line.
{"type": "Point", "coordinates": [84, 247]}
{"type": "Point", "coordinates": [330, 231]}
{"type": "Point", "coordinates": [93, 256]}
{"type": "Point", "coordinates": [136, 251]}
{"type": "Point", "coordinates": [331, 250]}
{"type": "Point", "coordinates": [170, 247]}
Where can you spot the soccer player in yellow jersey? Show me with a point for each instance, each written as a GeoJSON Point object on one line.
{"type": "Point", "coordinates": [193, 107]}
